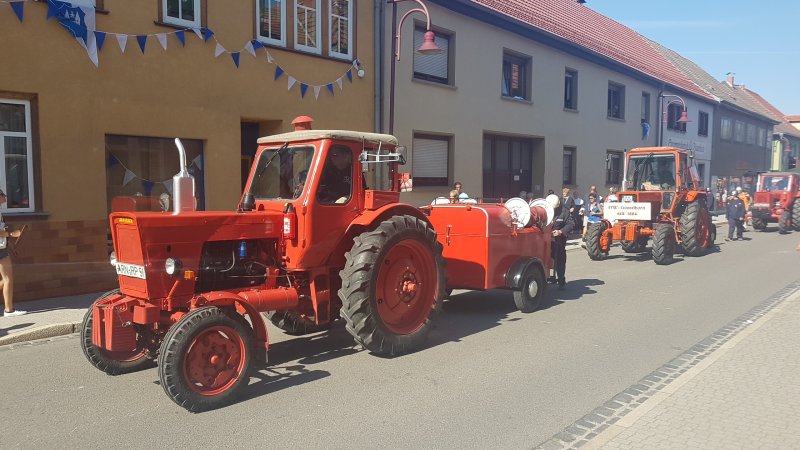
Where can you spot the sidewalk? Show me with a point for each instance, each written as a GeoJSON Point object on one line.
{"type": "Point", "coordinates": [46, 318]}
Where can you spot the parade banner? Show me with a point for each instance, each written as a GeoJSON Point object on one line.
{"type": "Point", "coordinates": [626, 211]}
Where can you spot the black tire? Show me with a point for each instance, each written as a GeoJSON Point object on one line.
{"type": "Point", "coordinates": [784, 224]}
{"type": "Point", "coordinates": [593, 235]}
{"type": "Point", "coordinates": [712, 236]}
{"type": "Point", "coordinates": [796, 215]}
{"type": "Point", "coordinates": [637, 246]}
{"type": "Point", "coordinates": [532, 290]}
{"type": "Point", "coordinates": [759, 223]}
{"type": "Point", "coordinates": [219, 332]}
{"type": "Point", "coordinates": [695, 223]}
{"type": "Point", "coordinates": [295, 324]}
{"type": "Point", "coordinates": [664, 244]}
{"type": "Point", "coordinates": [367, 303]}
{"type": "Point", "coordinates": [115, 363]}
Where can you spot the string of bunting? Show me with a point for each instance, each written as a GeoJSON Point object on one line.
{"type": "Point", "coordinates": [146, 183]}
{"type": "Point", "coordinates": [74, 19]}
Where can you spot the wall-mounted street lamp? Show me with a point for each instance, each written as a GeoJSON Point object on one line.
{"type": "Point", "coordinates": [428, 46]}
{"type": "Point", "coordinates": [675, 99]}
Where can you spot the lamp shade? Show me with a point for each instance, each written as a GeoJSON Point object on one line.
{"type": "Point", "coordinates": [684, 118]}
{"type": "Point", "coordinates": [429, 46]}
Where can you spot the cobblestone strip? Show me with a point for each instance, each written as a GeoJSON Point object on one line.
{"type": "Point", "coordinates": [19, 345]}
{"type": "Point", "coordinates": [589, 426]}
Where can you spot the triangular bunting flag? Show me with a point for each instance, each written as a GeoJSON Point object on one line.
{"type": "Point", "coordinates": [330, 88]}
{"type": "Point", "coordinates": [350, 75]}
{"type": "Point", "coordinates": [148, 187]}
{"type": "Point", "coordinates": [129, 176]}
{"type": "Point", "coordinates": [292, 81]}
{"type": "Point", "coordinates": [269, 58]}
{"type": "Point", "coordinates": [257, 44]}
{"type": "Point", "coordinates": [207, 33]}
{"type": "Point", "coordinates": [198, 161]}
{"type": "Point", "coordinates": [316, 92]}
{"type": "Point", "coordinates": [122, 40]}
{"type": "Point", "coordinates": [100, 38]}
{"type": "Point", "coordinates": [235, 56]}
{"type": "Point", "coordinates": [167, 186]}
{"type": "Point", "coordinates": [142, 40]}
{"type": "Point", "coordinates": [278, 72]}
{"type": "Point", "coordinates": [219, 50]}
{"type": "Point", "coordinates": [162, 39]}
{"type": "Point", "coordinates": [18, 9]}
{"type": "Point", "coordinates": [339, 82]}
{"type": "Point", "coordinates": [52, 10]}
{"type": "Point", "coordinates": [303, 89]}
{"type": "Point", "coordinates": [249, 48]}
{"type": "Point", "coordinates": [112, 161]}
{"type": "Point", "coordinates": [181, 37]}
{"type": "Point", "coordinates": [198, 32]}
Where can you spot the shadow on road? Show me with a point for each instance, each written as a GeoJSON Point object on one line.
{"type": "Point", "coordinates": [5, 331]}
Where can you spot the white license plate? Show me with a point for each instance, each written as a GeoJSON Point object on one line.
{"type": "Point", "coordinates": [130, 270]}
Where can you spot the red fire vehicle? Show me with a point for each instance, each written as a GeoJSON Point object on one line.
{"type": "Point", "coordinates": [777, 200]}
{"type": "Point", "coordinates": [319, 233]}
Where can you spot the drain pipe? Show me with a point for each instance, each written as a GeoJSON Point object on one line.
{"type": "Point", "coordinates": [379, 51]}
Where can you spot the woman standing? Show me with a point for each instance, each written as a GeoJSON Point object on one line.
{"type": "Point", "coordinates": [6, 271]}
{"type": "Point", "coordinates": [594, 213]}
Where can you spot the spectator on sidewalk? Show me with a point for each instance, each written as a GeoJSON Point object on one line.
{"type": "Point", "coordinates": [578, 211]}
{"type": "Point", "coordinates": [735, 216]}
{"type": "Point", "coordinates": [612, 195]}
{"type": "Point", "coordinates": [6, 270]}
{"type": "Point", "coordinates": [593, 190]}
{"type": "Point", "coordinates": [711, 203]}
{"type": "Point", "coordinates": [594, 213]}
{"type": "Point", "coordinates": [461, 195]}
{"type": "Point", "coordinates": [744, 197]}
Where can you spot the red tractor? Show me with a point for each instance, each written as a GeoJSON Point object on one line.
{"type": "Point", "coordinates": [777, 200]}
{"type": "Point", "coordinates": [661, 200]}
{"type": "Point", "coordinates": [319, 234]}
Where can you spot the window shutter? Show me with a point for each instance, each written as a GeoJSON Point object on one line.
{"type": "Point", "coordinates": [432, 65]}
{"type": "Point", "coordinates": [430, 158]}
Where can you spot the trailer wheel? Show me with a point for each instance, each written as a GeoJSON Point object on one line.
{"type": "Point", "coordinates": [532, 289]}
{"type": "Point", "coordinates": [759, 223]}
{"type": "Point", "coordinates": [112, 363]}
{"type": "Point", "coordinates": [637, 246]}
{"type": "Point", "coordinates": [664, 244]}
{"type": "Point", "coordinates": [784, 224]}
{"type": "Point", "coordinates": [796, 214]}
{"type": "Point", "coordinates": [205, 358]}
{"type": "Point", "coordinates": [695, 229]}
{"type": "Point", "coordinates": [393, 284]}
{"type": "Point", "coordinates": [593, 236]}
{"type": "Point", "coordinates": [296, 324]}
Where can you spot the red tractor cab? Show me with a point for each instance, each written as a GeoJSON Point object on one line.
{"type": "Point", "coordinates": [777, 200]}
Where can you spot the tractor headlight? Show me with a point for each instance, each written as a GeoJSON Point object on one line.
{"type": "Point", "coordinates": [172, 266]}
{"type": "Point", "coordinates": [113, 259]}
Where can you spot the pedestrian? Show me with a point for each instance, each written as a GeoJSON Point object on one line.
{"type": "Point", "coordinates": [578, 210]}
{"type": "Point", "coordinates": [6, 270]}
{"type": "Point", "coordinates": [594, 213]}
{"type": "Point", "coordinates": [744, 197]}
{"type": "Point", "coordinates": [710, 203]}
{"type": "Point", "coordinates": [593, 190]}
{"type": "Point", "coordinates": [461, 195]}
{"type": "Point", "coordinates": [562, 225]}
{"type": "Point", "coordinates": [735, 216]}
{"type": "Point", "coordinates": [454, 196]}
{"type": "Point", "coordinates": [612, 195]}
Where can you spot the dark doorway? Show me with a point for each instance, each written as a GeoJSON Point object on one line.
{"type": "Point", "coordinates": [507, 166]}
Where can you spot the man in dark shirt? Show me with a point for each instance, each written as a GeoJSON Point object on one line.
{"type": "Point", "coordinates": [562, 226]}
{"type": "Point", "coordinates": [735, 216]}
{"type": "Point", "coordinates": [337, 179]}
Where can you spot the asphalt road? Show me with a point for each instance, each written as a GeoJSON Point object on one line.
{"type": "Point", "coordinates": [491, 377]}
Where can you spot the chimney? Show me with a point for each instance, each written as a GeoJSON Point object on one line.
{"type": "Point", "coordinates": [302, 123]}
{"type": "Point", "coordinates": [729, 79]}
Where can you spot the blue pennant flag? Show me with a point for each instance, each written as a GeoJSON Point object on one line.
{"type": "Point", "coordinates": [112, 161]}
{"type": "Point", "coordinates": [142, 40]}
{"type": "Point", "coordinates": [303, 89]}
{"type": "Point", "coordinates": [181, 37]}
{"type": "Point", "coordinates": [17, 7]}
{"type": "Point", "coordinates": [73, 18]}
{"type": "Point", "coordinates": [235, 56]}
{"type": "Point", "coordinates": [207, 33]}
{"type": "Point", "coordinates": [257, 44]}
{"type": "Point", "coordinates": [148, 187]}
{"type": "Point", "coordinates": [330, 88]}
{"type": "Point", "coordinates": [100, 38]}
{"type": "Point", "coordinates": [278, 72]}
{"type": "Point", "coordinates": [350, 75]}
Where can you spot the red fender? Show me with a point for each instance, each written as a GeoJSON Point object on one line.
{"type": "Point", "coordinates": [224, 298]}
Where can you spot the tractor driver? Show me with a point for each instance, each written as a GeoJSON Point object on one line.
{"type": "Point", "coordinates": [336, 183]}
{"type": "Point", "coordinates": [663, 177]}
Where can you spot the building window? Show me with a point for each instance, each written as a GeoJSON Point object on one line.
{"type": "Point", "coordinates": [613, 167]}
{"type": "Point", "coordinates": [516, 77]}
{"type": "Point", "coordinates": [726, 129]}
{"type": "Point", "coordinates": [571, 89]}
{"type": "Point", "coordinates": [184, 13]}
{"type": "Point", "coordinates": [701, 172]}
{"type": "Point", "coordinates": [340, 26]}
{"type": "Point", "coordinates": [702, 124]}
{"type": "Point", "coordinates": [674, 112]}
{"type": "Point", "coordinates": [430, 160]}
{"type": "Point", "coordinates": [738, 131]}
{"type": "Point", "coordinates": [762, 137]}
{"type": "Point", "coordinates": [645, 107]}
{"type": "Point", "coordinates": [307, 25]}
{"type": "Point", "coordinates": [616, 101]}
{"type": "Point", "coordinates": [271, 26]}
{"type": "Point", "coordinates": [751, 134]}
{"type": "Point", "coordinates": [16, 155]}
{"type": "Point", "coordinates": [139, 172]}
{"type": "Point", "coordinates": [434, 68]}
{"type": "Point", "coordinates": [569, 166]}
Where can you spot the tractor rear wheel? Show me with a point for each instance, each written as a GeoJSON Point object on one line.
{"type": "Point", "coordinates": [695, 223]}
{"type": "Point", "coordinates": [112, 363]}
{"type": "Point", "coordinates": [796, 214]}
{"type": "Point", "coordinates": [296, 324]}
{"type": "Point", "coordinates": [759, 223]}
{"type": "Point", "coordinates": [393, 284]}
{"type": "Point", "coordinates": [531, 291]}
{"type": "Point", "coordinates": [593, 236]}
{"type": "Point", "coordinates": [636, 246]}
{"type": "Point", "coordinates": [205, 358]}
{"type": "Point", "coordinates": [783, 223]}
{"type": "Point", "coordinates": [664, 244]}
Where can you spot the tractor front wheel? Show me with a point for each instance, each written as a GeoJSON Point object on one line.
{"type": "Point", "coordinates": [393, 284]}
{"type": "Point", "coordinates": [205, 358]}
{"type": "Point", "coordinates": [296, 324]}
{"type": "Point", "coordinates": [531, 292]}
{"type": "Point", "coordinates": [593, 236]}
{"type": "Point", "coordinates": [664, 244]}
{"type": "Point", "coordinates": [796, 214]}
{"type": "Point", "coordinates": [112, 363]}
{"type": "Point", "coordinates": [759, 223]}
{"type": "Point", "coordinates": [695, 223]}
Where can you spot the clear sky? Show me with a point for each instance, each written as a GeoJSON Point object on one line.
{"type": "Point", "coordinates": [759, 41]}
